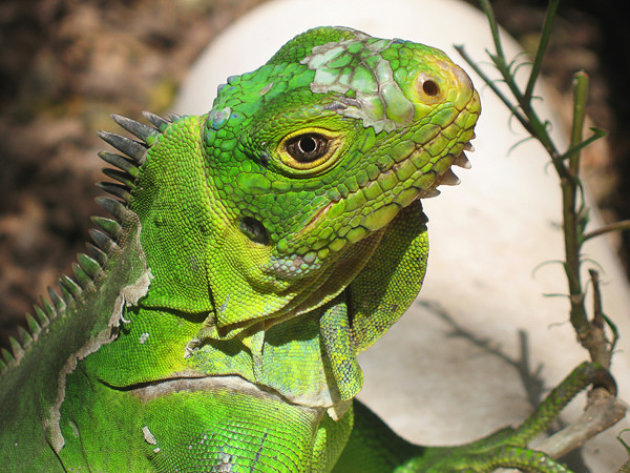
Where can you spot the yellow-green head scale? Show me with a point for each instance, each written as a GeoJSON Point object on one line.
{"type": "Point", "coordinates": [306, 160]}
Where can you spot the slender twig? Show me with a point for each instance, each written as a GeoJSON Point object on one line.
{"type": "Point", "coordinates": [598, 314]}
{"type": "Point", "coordinates": [490, 83]}
{"type": "Point", "coordinates": [571, 224]}
{"type": "Point", "coordinates": [599, 347]}
{"type": "Point", "coordinates": [580, 95]}
{"type": "Point", "coordinates": [526, 115]}
{"type": "Point", "coordinates": [597, 134]}
{"type": "Point", "coordinates": [611, 227]}
{"type": "Point", "coordinates": [499, 58]}
{"type": "Point", "coordinates": [600, 321]}
{"type": "Point", "coordinates": [542, 48]}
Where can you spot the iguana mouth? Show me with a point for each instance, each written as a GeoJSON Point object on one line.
{"type": "Point", "coordinates": [448, 178]}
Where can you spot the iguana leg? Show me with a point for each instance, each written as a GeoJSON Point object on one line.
{"type": "Point", "coordinates": [374, 447]}
{"type": "Point", "coordinates": [540, 420]}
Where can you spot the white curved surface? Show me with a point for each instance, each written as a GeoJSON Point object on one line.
{"type": "Point", "coordinates": [488, 235]}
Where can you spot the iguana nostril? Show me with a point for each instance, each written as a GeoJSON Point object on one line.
{"type": "Point", "coordinates": [430, 88]}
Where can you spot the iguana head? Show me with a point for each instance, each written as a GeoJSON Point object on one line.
{"type": "Point", "coordinates": [307, 159]}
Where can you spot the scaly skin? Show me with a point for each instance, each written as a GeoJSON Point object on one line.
{"type": "Point", "coordinates": [258, 249]}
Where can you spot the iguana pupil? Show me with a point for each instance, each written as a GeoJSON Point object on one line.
{"type": "Point", "coordinates": [307, 148]}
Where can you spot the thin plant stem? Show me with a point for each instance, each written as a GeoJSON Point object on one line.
{"type": "Point", "coordinates": [611, 227]}
{"type": "Point", "coordinates": [566, 164]}
{"type": "Point", "coordinates": [542, 48]}
{"type": "Point", "coordinates": [572, 231]}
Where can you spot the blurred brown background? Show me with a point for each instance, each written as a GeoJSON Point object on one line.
{"type": "Point", "coordinates": [66, 65]}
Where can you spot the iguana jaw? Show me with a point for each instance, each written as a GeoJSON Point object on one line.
{"type": "Point", "coordinates": [375, 203]}
{"type": "Point", "coordinates": [447, 177]}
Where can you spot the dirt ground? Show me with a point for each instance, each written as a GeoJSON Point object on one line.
{"type": "Point", "coordinates": [65, 65]}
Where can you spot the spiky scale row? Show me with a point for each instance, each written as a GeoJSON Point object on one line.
{"type": "Point", "coordinates": [111, 227]}
{"type": "Point", "coordinates": [112, 206]}
{"type": "Point", "coordinates": [33, 326]}
{"type": "Point", "coordinates": [96, 254]}
{"type": "Point", "coordinates": [16, 348]}
{"type": "Point", "coordinates": [7, 357]}
{"type": "Point", "coordinates": [172, 116]}
{"type": "Point", "coordinates": [157, 121]}
{"type": "Point", "coordinates": [24, 337]}
{"type": "Point", "coordinates": [137, 129]}
{"type": "Point", "coordinates": [128, 166]}
{"type": "Point", "coordinates": [103, 241]}
{"type": "Point", "coordinates": [133, 149]}
{"type": "Point", "coordinates": [89, 267]}
{"type": "Point", "coordinates": [42, 318]}
{"type": "Point", "coordinates": [81, 277]}
{"type": "Point", "coordinates": [126, 179]}
{"type": "Point", "coordinates": [66, 293]}
{"type": "Point", "coordinates": [50, 309]}
{"type": "Point", "coordinates": [117, 190]}
{"type": "Point", "coordinates": [57, 302]}
{"type": "Point", "coordinates": [71, 285]}
{"type": "Point", "coordinates": [125, 164]}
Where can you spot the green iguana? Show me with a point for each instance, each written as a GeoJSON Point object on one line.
{"type": "Point", "coordinates": [252, 253]}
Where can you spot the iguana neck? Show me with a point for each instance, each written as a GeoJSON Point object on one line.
{"type": "Point", "coordinates": [151, 348]}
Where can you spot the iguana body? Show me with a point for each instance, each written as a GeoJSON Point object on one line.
{"type": "Point", "coordinates": [257, 249]}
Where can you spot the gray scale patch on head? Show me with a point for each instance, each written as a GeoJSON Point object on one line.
{"type": "Point", "coordinates": [266, 88]}
{"type": "Point", "coordinates": [218, 118]}
{"type": "Point", "coordinates": [379, 101]}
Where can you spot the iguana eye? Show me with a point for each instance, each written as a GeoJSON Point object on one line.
{"type": "Point", "coordinates": [309, 150]}
{"type": "Point", "coordinates": [308, 147]}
